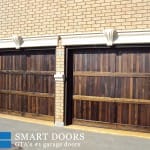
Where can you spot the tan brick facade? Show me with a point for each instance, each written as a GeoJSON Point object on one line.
{"type": "Point", "coordinates": [59, 89]}
{"type": "Point", "coordinates": [40, 17]}
{"type": "Point", "coordinates": [52, 17]}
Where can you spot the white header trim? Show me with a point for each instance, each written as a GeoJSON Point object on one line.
{"type": "Point", "coordinates": [108, 37]}
{"type": "Point", "coordinates": [83, 39]}
{"type": "Point", "coordinates": [133, 38]}
{"type": "Point", "coordinates": [30, 42]}
{"type": "Point", "coordinates": [130, 37]}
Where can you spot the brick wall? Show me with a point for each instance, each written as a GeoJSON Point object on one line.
{"type": "Point", "coordinates": [59, 86]}
{"type": "Point", "coordinates": [40, 17]}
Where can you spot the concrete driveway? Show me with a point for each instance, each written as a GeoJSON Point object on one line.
{"type": "Point", "coordinates": [32, 136]}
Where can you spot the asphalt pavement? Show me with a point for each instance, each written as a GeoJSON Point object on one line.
{"type": "Point", "coordinates": [30, 136]}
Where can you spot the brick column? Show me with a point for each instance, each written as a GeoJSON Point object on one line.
{"type": "Point", "coordinates": [59, 86]}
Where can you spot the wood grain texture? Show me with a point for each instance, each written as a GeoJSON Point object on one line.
{"type": "Point", "coordinates": [109, 99]}
{"type": "Point", "coordinates": [111, 74]}
{"type": "Point", "coordinates": [27, 83]}
{"type": "Point", "coordinates": [112, 86]}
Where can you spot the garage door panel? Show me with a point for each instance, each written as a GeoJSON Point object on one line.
{"type": "Point", "coordinates": [111, 87]}
{"type": "Point", "coordinates": [14, 103]}
{"type": "Point", "coordinates": [12, 62]}
{"type": "Point", "coordinates": [92, 77]}
{"type": "Point", "coordinates": [28, 78]}
{"type": "Point", "coordinates": [43, 103]}
{"type": "Point", "coordinates": [132, 61]}
{"type": "Point", "coordinates": [24, 104]}
{"type": "Point", "coordinates": [31, 105]}
{"type": "Point", "coordinates": [42, 62]}
{"type": "Point", "coordinates": [94, 61]}
{"type": "Point", "coordinates": [40, 83]}
{"type": "Point", "coordinates": [94, 86]}
{"type": "Point", "coordinates": [141, 88]}
{"type": "Point", "coordinates": [124, 87]}
{"type": "Point", "coordinates": [106, 85]}
{"type": "Point", "coordinates": [122, 113]}
{"type": "Point", "coordinates": [147, 63]}
{"type": "Point", "coordinates": [3, 105]}
{"type": "Point", "coordinates": [95, 111]}
{"type": "Point", "coordinates": [144, 110]}
{"type": "Point", "coordinates": [106, 112]}
{"type": "Point", "coordinates": [11, 81]}
{"type": "Point", "coordinates": [135, 84]}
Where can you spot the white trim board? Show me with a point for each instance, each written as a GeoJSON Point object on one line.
{"type": "Point", "coordinates": [30, 42]}
{"type": "Point", "coordinates": [107, 37]}
{"type": "Point", "coordinates": [122, 37]}
{"type": "Point", "coordinates": [133, 38]}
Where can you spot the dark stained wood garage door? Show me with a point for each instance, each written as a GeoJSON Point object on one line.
{"type": "Point", "coordinates": [27, 82]}
{"type": "Point", "coordinates": [111, 87]}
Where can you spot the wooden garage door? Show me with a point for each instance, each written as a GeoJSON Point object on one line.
{"type": "Point", "coordinates": [27, 83]}
{"type": "Point", "coordinates": [111, 88]}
